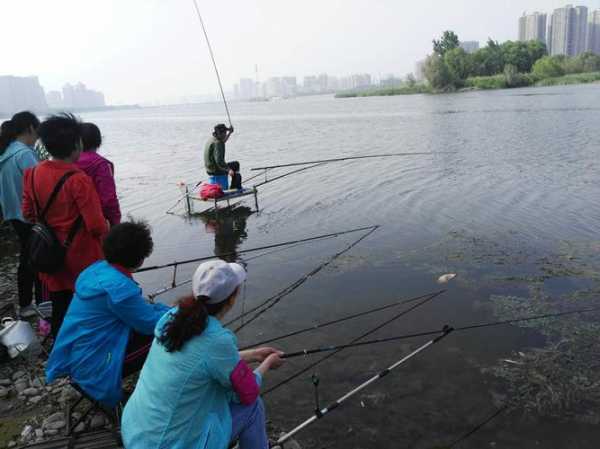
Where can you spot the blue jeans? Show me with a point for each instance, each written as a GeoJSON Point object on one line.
{"type": "Point", "coordinates": [248, 425]}
{"type": "Point", "coordinates": [222, 180]}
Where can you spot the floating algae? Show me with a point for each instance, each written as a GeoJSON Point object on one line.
{"type": "Point", "coordinates": [562, 379]}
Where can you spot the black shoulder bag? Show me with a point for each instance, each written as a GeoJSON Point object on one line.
{"type": "Point", "coordinates": [46, 253]}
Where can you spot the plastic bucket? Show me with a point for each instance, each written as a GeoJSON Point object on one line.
{"type": "Point", "coordinates": [16, 335]}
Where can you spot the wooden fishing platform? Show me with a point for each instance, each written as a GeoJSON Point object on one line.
{"type": "Point", "coordinates": [100, 439]}
{"type": "Point", "coordinates": [229, 197]}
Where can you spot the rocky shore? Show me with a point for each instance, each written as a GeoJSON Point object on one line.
{"type": "Point", "coordinates": [30, 410]}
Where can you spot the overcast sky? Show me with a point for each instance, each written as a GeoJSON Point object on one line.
{"type": "Point", "coordinates": [149, 50]}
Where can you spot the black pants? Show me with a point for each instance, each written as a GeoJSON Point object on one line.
{"type": "Point", "coordinates": [137, 350]}
{"type": "Point", "coordinates": [60, 305]}
{"type": "Point", "coordinates": [26, 277]}
{"type": "Point", "coordinates": [236, 179]}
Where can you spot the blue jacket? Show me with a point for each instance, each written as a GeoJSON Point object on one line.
{"type": "Point", "coordinates": [181, 400]}
{"type": "Point", "coordinates": [13, 162]}
{"type": "Point", "coordinates": [90, 347]}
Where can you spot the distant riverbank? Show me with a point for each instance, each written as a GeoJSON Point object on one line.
{"type": "Point", "coordinates": [478, 83]}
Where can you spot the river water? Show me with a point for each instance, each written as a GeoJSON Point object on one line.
{"type": "Point", "coordinates": [517, 185]}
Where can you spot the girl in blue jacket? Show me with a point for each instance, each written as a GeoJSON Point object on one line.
{"type": "Point", "coordinates": [196, 390]}
{"type": "Point", "coordinates": [108, 329]}
{"type": "Point", "coordinates": [17, 138]}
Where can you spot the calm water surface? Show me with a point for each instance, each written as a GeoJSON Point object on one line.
{"type": "Point", "coordinates": [520, 185]}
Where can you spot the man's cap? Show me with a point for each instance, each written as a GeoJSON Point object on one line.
{"type": "Point", "coordinates": [217, 280]}
{"type": "Point", "coordinates": [221, 127]}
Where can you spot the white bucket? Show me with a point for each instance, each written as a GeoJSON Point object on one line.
{"type": "Point", "coordinates": [16, 335]}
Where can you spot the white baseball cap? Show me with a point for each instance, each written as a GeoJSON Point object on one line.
{"type": "Point", "coordinates": [217, 279]}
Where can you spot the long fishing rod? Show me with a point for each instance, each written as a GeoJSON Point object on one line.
{"type": "Point", "coordinates": [267, 181]}
{"type": "Point", "coordinates": [244, 260]}
{"type": "Point", "coordinates": [360, 337]}
{"type": "Point", "coordinates": [433, 332]}
{"type": "Point", "coordinates": [275, 245]}
{"type": "Point", "coordinates": [305, 352]}
{"type": "Point", "coordinates": [339, 320]}
{"type": "Point", "coordinates": [348, 158]}
{"type": "Point", "coordinates": [212, 56]}
{"type": "Point", "coordinates": [320, 413]}
{"type": "Point", "coordinates": [271, 302]}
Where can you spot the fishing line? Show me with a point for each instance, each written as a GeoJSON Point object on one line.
{"type": "Point", "coordinates": [213, 61]}
{"type": "Point", "coordinates": [366, 334]}
{"type": "Point", "coordinates": [293, 164]}
{"type": "Point", "coordinates": [271, 302]}
{"type": "Point", "coordinates": [340, 320]}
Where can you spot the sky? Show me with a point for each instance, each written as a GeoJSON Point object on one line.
{"type": "Point", "coordinates": [147, 51]}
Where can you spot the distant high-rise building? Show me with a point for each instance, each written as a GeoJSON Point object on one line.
{"type": "Point", "coordinates": [420, 70]}
{"type": "Point", "coordinates": [289, 86]}
{"type": "Point", "coordinates": [247, 89]}
{"type": "Point", "coordinates": [21, 93]}
{"type": "Point", "coordinates": [533, 27]}
{"type": "Point", "coordinates": [360, 80]}
{"type": "Point", "coordinates": [80, 97]}
{"type": "Point", "coordinates": [568, 31]}
{"type": "Point", "coordinates": [311, 84]}
{"type": "Point", "coordinates": [470, 46]}
{"type": "Point", "coordinates": [54, 99]}
{"type": "Point", "coordinates": [594, 32]}
{"type": "Point", "coordinates": [274, 87]}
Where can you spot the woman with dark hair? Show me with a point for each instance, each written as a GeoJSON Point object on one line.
{"type": "Point", "coordinates": [196, 389]}
{"type": "Point", "coordinates": [17, 138]}
{"type": "Point", "coordinates": [74, 215]}
{"type": "Point", "coordinates": [109, 326]}
{"type": "Point", "coordinates": [101, 171]}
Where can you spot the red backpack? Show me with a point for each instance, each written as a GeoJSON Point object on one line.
{"type": "Point", "coordinates": [210, 191]}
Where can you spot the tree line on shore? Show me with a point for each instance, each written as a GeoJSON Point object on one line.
{"type": "Point", "coordinates": [510, 64]}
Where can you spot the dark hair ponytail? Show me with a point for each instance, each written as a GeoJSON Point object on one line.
{"type": "Point", "coordinates": [190, 320]}
{"type": "Point", "coordinates": [17, 125]}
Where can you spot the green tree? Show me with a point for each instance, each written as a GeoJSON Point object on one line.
{"type": "Point", "coordinates": [512, 77]}
{"type": "Point", "coordinates": [488, 61]}
{"type": "Point", "coordinates": [517, 54]}
{"type": "Point", "coordinates": [437, 73]}
{"type": "Point", "coordinates": [548, 67]}
{"type": "Point", "coordinates": [459, 66]}
{"type": "Point", "coordinates": [590, 62]}
{"type": "Point", "coordinates": [410, 80]}
{"type": "Point", "coordinates": [449, 41]}
{"type": "Point", "coordinates": [537, 50]}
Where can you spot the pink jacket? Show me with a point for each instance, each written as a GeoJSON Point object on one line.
{"type": "Point", "coordinates": [101, 171]}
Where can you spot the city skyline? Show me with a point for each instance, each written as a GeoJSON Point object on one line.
{"type": "Point", "coordinates": [155, 51]}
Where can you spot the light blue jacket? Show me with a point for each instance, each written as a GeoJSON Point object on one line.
{"type": "Point", "coordinates": [17, 158]}
{"type": "Point", "coordinates": [91, 344]}
{"type": "Point", "coordinates": [182, 398]}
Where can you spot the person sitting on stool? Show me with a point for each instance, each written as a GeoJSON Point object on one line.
{"type": "Point", "coordinates": [214, 160]}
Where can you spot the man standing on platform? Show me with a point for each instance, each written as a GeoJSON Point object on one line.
{"type": "Point", "coordinates": [214, 160]}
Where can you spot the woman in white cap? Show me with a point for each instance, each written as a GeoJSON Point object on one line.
{"type": "Point", "coordinates": [196, 389]}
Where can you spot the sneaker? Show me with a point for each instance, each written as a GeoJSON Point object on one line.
{"type": "Point", "coordinates": [27, 311]}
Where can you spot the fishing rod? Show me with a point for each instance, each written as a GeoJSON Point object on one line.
{"type": "Point", "coordinates": [305, 352]}
{"type": "Point", "coordinates": [320, 413]}
{"type": "Point", "coordinates": [360, 337]}
{"type": "Point", "coordinates": [348, 158]}
{"type": "Point", "coordinates": [243, 261]}
{"type": "Point", "coordinates": [433, 332]}
{"type": "Point", "coordinates": [340, 320]}
{"type": "Point", "coordinates": [271, 302]}
{"type": "Point", "coordinates": [275, 245]}
{"type": "Point", "coordinates": [267, 181]}
{"type": "Point", "coordinates": [212, 56]}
